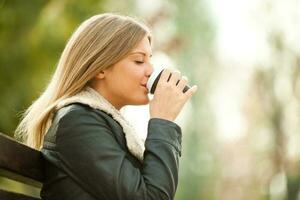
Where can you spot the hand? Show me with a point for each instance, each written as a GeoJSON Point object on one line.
{"type": "Point", "coordinates": [169, 98]}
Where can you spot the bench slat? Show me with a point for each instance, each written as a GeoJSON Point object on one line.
{"type": "Point", "coordinates": [20, 162]}
{"type": "Point", "coordinates": [5, 195]}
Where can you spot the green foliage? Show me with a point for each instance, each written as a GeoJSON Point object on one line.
{"type": "Point", "coordinates": [32, 36]}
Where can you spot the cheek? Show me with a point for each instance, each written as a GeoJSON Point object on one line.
{"type": "Point", "coordinates": [129, 76]}
{"type": "Point", "coordinates": [134, 77]}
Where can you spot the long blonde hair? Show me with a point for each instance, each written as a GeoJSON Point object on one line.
{"type": "Point", "coordinates": [98, 43]}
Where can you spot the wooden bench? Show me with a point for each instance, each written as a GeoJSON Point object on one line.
{"type": "Point", "coordinates": [19, 163]}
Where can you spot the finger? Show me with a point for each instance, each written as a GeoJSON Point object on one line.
{"type": "Point", "coordinates": [182, 83]}
{"type": "Point", "coordinates": [191, 91]}
{"type": "Point", "coordinates": [165, 75]}
{"type": "Point", "coordinates": [176, 76]}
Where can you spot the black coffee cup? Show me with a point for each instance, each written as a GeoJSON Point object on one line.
{"type": "Point", "coordinates": [154, 78]}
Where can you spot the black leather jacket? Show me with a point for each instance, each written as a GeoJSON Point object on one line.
{"type": "Point", "coordinates": [86, 158]}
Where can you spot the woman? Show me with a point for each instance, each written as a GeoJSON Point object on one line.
{"type": "Point", "coordinates": [90, 150]}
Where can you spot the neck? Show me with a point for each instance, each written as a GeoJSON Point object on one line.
{"type": "Point", "coordinates": [108, 96]}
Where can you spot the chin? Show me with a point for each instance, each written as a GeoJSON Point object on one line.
{"type": "Point", "coordinates": [142, 101]}
{"type": "Point", "coordinates": [145, 102]}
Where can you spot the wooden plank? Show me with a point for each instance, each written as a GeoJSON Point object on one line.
{"type": "Point", "coordinates": [5, 195]}
{"type": "Point", "coordinates": [20, 162]}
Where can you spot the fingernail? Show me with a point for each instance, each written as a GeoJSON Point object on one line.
{"type": "Point", "coordinates": [196, 87]}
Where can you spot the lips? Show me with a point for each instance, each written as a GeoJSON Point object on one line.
{"type": "Point", "coordinates": [144, 84]}
{"type": "Point", "coordinates": [145, 87]}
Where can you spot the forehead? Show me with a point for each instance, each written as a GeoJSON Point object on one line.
{"type": "Point", "coordinates": [143, 46]}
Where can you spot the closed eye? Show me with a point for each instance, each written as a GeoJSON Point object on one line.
{"type": "Point", "coordinates": [139, 62]}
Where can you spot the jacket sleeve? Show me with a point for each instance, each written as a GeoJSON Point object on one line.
{"type": "Point", "coordinates": [91, 155]}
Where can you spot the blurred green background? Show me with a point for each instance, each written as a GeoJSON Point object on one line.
{"type": "Point", "coordinates": [241, 130]}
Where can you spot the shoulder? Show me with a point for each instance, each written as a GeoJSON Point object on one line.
{"type": "Point", "coordinates": [80, 124]}
{"type": "Point", "coordinates": [73, 118]}
{"type": "Point", "coordinates": [77, 118]}
{"type": "Point", "coordinates": [77, 112]}
{"type": "Point", "coordinates": [71, 121]}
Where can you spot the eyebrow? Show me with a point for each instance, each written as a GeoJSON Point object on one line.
{"type": "Point", "coordinates": [139, 52]}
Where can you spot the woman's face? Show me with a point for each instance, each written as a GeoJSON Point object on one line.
{"type": "Point", "coordinates": [125, 82]}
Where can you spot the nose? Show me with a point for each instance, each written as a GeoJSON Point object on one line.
{"type": "Point", "coordinates": [149, 69]}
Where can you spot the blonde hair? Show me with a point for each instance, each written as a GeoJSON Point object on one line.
{"type": "Point", "coordinates": [98, 43]}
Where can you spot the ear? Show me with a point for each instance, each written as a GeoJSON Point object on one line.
{"type": "Point", "coordinates": [100, 75]}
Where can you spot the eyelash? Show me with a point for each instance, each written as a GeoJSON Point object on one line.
{"type": "Point", "coordinates": [139, 62]}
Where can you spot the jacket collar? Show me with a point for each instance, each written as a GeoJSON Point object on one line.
{"type": "Point", "coordinates": [92, 98]}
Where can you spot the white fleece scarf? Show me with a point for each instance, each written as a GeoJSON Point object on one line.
{"type": "Point", "coordinates": [92, 98]}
